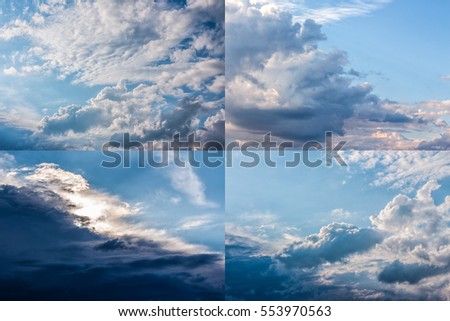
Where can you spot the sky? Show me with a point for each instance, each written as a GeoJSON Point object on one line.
{"type": "Point", "coordinates": [77, 231]}
{"type": "Point", "coordinates": [374, 72]}
{"type": "Point", "coordinates": [376, 229]}
{"type": "Point", "coordinates": [77, 74]}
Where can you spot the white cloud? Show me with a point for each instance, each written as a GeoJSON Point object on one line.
{"type": "Point", "coordinates": [323, 12]}
{"type": "Point", "coordinates": [143, 112]}
{"type": "Point", "coordinates": [186, 181]}
{"type": "Point", "coordinates": [405, 254]}
{"type": "Point", "coordinates": [280, 80]}
{"type": "Point", "coordinates": [341, 213]}
{"type": "Point", "coordinates": [198, 222]}
{"type": "Point", "coordinates": [11, 71]}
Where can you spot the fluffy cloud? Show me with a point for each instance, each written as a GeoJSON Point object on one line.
{"type": "Point", "coordinates": [416, 228]}
{"type": "Point", "coordinates": [401, 170]}
{"type": "Point", "coordinates": [333, 243]}
{"type": "Point", "coordinates": [171, 54]}
{"type": "Point", "coordinates": [285, 84]}
{"type": "Point", "coordinates": [142, 113]}
{"type": "Point", "coordinates": [404, 254]}
{"type": "Point", "coordinates": [288, 85]}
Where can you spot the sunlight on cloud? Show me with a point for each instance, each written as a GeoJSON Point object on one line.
{"type": "Point", "coordinates": [98, 211]}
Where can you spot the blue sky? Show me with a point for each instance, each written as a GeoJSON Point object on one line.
{"type": "Point", "coordinates": [355, 232]}
{"type": "Point", "coordinates": [153, 231]}
{"type": "Point", "coordinates": [150, 69]}
{"type": "Point", "coordinates": [402, 47]}
{"type": "Point", "coordinates": [304, 197]}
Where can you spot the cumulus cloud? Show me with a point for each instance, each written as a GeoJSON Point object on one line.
{"type": "Point", "coordinates": [141, 112]}
{"type": "Point", "coordinates": [289, 86]}
{"type": "Point", "coordinates": [285, 84]}
{"type": "Point", "coordinates": [333, 243]}
{"type": "Point", "coordinates": [403, 254]}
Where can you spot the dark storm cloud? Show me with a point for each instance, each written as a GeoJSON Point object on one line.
{"type": "Point", "coordinates": [398, 272]}
{"type": "Point", "coordinates": [48, 257]}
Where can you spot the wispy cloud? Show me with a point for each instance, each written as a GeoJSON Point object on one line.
{"type": "Point", "coordinates": [187, 182]}
{"type": "Point", "coordinates": [339, 10]}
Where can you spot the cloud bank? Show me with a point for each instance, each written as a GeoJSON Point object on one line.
{"type": "Point", "coordinates": [69, 241]}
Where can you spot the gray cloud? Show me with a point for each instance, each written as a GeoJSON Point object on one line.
{"type": "Point", "coordinates": [333, 243]}
{"type": "Point", "coordinates": [398, 272]}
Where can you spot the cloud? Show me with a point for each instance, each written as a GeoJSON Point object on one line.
{"type": "Point", "coordinates": [441, 143]}
{"type": "Point", "coordinates": [401, 170]}
{"type": "Point", "coordinates": [194, 223]}
{"type": "Point", "coordinates": [287, 86]}
{"type": "Point", "coordinates": [141, 112]}
{"type": "Point", "coordinates": [170, 54]}
{"type": "Point", "coordinates": [417, 228]}
{"type": "Point", "coordinates": [333, 243]}
{"type": "Point", "coordinates": [129, 41]}
{"type": "Point", "coordinates": [411, 261]}
{"type": "Point", "coordinates": [340, 10]}
{"type": "Point", "coordinates": [280, 80]}
{"type": "Point", "coordinates": [403, 255]}
{"type": "Point", "coordinates": [341, 213]}
{"type": "Point", "coordinates": [186, 181]}
{"type": "Point", "coordinates": [411, 273]}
